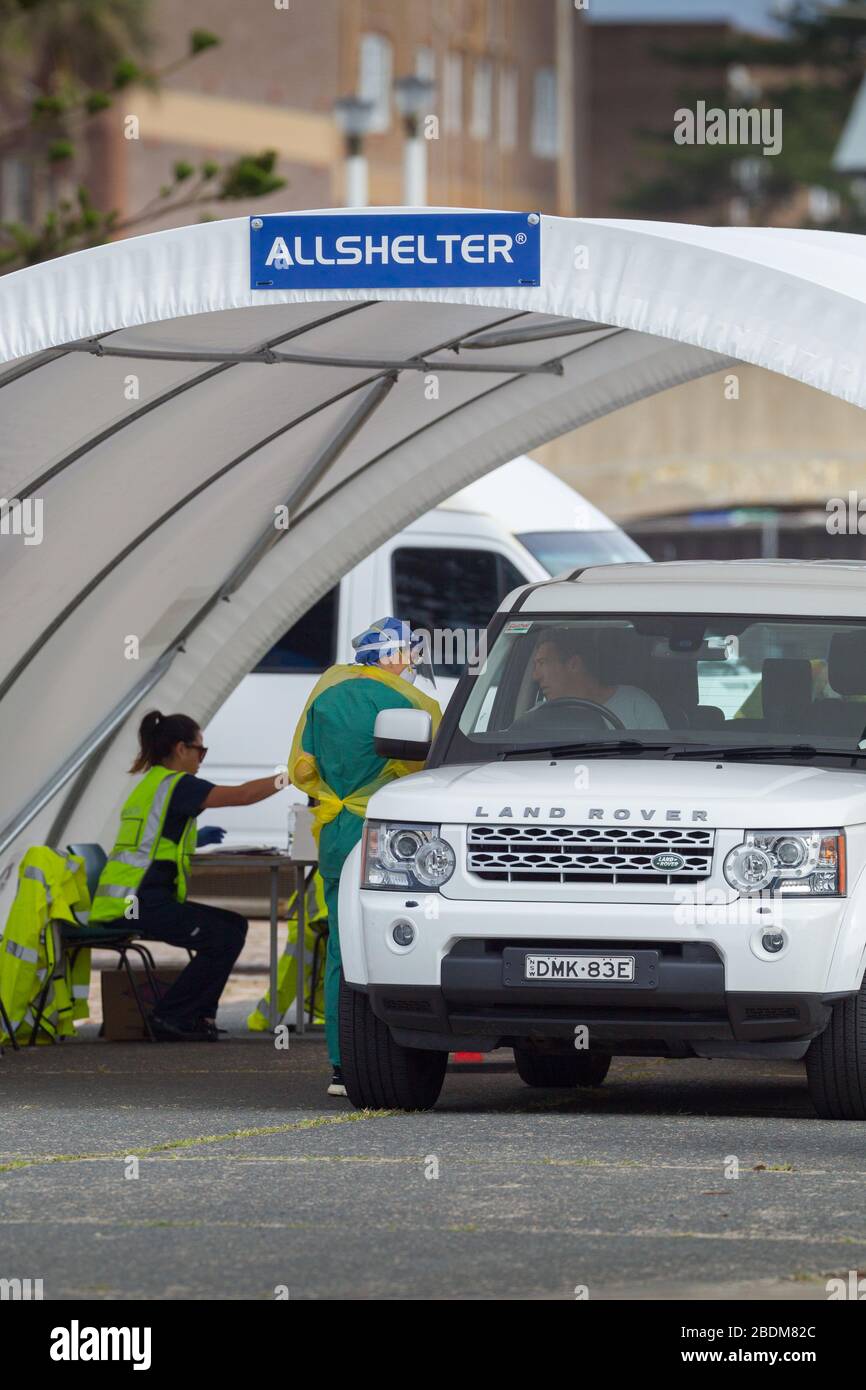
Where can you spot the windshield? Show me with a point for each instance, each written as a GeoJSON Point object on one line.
{"type": "Point", "coordinates": [684, 682]}
{"type": "Point", "coordinates": [570, 550]}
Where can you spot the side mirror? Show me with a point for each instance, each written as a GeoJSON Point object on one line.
{"type": "Point", "coordinates": [403, 733]}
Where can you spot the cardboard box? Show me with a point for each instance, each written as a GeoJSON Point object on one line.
{"type": "Point", "coordinates": [121, 1020]}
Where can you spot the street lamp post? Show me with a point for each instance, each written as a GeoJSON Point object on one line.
{"type": "Point", "coordinates": [353, 116]}
{"type": "Point", "coordinates": [748, 174]}
{"type": "Point", "coordinates": [413, 96]}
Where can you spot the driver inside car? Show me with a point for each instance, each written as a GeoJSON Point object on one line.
{"type": "Point", "coordinates": [566, 667]}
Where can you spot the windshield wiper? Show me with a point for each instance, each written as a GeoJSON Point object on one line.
{"type": "Point", "coordinates": [622, 746]}
{"type": "Point", "coordinates": [597, 748]}
{"type": "Point", "coordinates": [769, 750]}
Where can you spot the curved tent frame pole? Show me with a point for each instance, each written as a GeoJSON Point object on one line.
{"type": "Point", "coordinates": [159, 400]}
{"type": "Point", "coordinates": [309, 479]}
{"type": "Point", "coordinates": [76, 601]}
{"type": "Point", "coordinates": [515, 336]}
{"type": "Point", "coordinates": [91, 749]}
{"type": "Point", "coordinates": [111, 431]}
{"type": "Point", "coordinates": [268, 357]}
{"type": "Point", "coordinates": [42, 359]}
{"type": "Point", "coordinates": [85, 750]}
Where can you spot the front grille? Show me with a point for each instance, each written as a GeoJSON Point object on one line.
{"type": "Point", "coordinates": [587, 853]}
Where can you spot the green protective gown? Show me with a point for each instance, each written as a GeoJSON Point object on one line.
{"type": "Point", "coordinates": [337, 731]}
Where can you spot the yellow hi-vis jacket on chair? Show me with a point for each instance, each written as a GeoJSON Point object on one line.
{"type": "Point", "coordinates": [50, 888]}
{"type": "Point", "coordinates": [287, 981]}
{"type": "Point", "coordinates": [140, 843]}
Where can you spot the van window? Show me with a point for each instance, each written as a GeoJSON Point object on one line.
{"type": "Point", "coordinates": [451, 591]}
{"type": "Point", "coordinates": [559, 551]}
{"type": "Point", "coordinates": [310, 645]}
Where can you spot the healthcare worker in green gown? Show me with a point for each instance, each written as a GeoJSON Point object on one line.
{"type": "Point", "coordinates": [334, 760]}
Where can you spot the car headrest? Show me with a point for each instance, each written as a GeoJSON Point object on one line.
{"type": "Point", "coordinates": [846, 668]}
{"type": "Point", "coordinates": [616, 654]}
{"type": "Point", "coordinates": [786, 683]}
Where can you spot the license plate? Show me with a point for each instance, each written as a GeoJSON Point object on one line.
{"type": "Point", "coordinates": [598, 969]}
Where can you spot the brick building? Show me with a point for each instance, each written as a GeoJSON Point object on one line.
{"type": "Point", "coordinates": [636, 86]}
{"type": "Point", "coordinates": [510, 100]}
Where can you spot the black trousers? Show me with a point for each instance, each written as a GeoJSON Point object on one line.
{"type": "Point", "coordinates": [217, 937]}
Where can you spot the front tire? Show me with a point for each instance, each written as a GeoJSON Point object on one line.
{"type": "Point", "coordinates": [378, 1072]}
{"type": "Point", "coordinates": [553, 1069]}
{"type": "Point", "coordinates": [836, 1062]}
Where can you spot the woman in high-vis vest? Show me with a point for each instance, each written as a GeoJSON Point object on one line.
{"type": "Point", "coordinates": [145, 878]}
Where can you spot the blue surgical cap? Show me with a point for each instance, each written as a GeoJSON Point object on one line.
{"type": "Point", "coordinates": [383, 638]}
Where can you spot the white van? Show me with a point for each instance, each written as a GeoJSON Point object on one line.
{"type": "Point", "coordinates": [448, 570]}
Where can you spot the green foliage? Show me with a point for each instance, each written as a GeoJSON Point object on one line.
{"type": "Point", "coordinates": [251, 176]}
{"type": "Point", "coordinates": [79, 55]}
{"type": "Point", "coordinates": [200, 40]}
{"type": "Point", "coordinates": [59, 151]}
{"type": "Point", "coordinates": [48, 105]}
{"type": "Point", "coordinates": [96, 102]}
{"type": "Point", "coordinates": [125, 74]}
{"type": "Point", "coordinates": [817, 65]}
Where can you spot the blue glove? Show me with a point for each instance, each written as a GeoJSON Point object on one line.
{"type": "Point", "coordinates": [211, 835]}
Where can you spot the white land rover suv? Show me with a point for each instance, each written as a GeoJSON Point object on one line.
{"type": "Point", "coordinates": [641, 830]}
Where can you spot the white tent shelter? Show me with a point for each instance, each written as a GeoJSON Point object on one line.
{"type": "Point", "coordinates": [162, 411]}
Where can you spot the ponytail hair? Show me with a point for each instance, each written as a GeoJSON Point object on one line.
{"type": "Point", "coordinates": [157, 736]}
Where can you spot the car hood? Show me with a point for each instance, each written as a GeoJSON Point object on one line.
{"type": "Point", "coordinates": [630, 790]}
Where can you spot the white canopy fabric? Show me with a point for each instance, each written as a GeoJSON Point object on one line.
{"type": "Point", "coordinates": [161, 411]}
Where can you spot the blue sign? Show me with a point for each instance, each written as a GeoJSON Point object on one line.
{"type": "Point", "coordinates": [396, 250]}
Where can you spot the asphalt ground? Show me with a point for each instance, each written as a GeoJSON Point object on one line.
{"type": "Point", "coordinates": [252, 1183]}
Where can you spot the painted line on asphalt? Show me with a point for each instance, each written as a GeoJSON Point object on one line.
{"type": "Point", "coordinates": [255, 1132]}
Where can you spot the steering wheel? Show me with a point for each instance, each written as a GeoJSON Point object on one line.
{"type": "Point", "coordinates": [536, 716]}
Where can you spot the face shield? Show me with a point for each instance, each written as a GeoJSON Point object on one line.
{"type": "Point", "coordinates": [390, 637]}
{"type": "Point", "coordinates": [422, 663]}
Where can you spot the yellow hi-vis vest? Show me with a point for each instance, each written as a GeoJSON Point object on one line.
{"type": "Point", "coordinates": [287, 984]}
{"type": "Point", "coordinates": [51, 889]}
{"type": "Point", "coordinates": [140, 842]}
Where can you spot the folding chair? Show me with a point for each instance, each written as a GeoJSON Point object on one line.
{"type": "Point", "coordinates": [71, 938]}
{"type": "Point", "coordinates": [8, 1029]}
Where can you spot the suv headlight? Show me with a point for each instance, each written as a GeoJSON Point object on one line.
{"type": "Point", "coordinates": [400, 854]}
{"type": "Point", "coordinates": [802, 862]}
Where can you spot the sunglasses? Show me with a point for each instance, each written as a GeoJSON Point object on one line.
{"type": "Point", "coordinates": [200, 749]}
